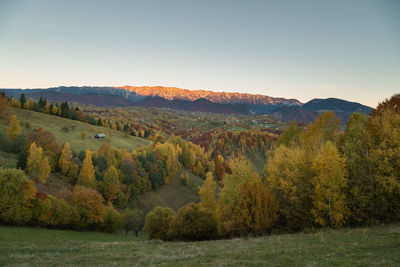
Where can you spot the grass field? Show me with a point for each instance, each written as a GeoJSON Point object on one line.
{"type": "Point", "coordinates": [356, 247]}
{"type": "Point", "coordinates": [73, 135]}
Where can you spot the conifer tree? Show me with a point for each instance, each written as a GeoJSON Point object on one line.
{"type": "Point", "coordinates": [13, 128]}
{"type": "Point", "coordinates": [22, 100]}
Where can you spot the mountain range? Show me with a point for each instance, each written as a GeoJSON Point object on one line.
{"type": "Point", "coordinates": [195, 100]}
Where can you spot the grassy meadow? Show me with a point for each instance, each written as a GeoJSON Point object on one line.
{"type": "Point", "coordinates": [73, 134]}
{"type": "Point", "coordinates": [355, 247]}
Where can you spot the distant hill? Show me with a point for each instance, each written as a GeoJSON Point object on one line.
{"type": "Point", "coordinates": [309, 111]}
{"type": "Point", "coordinates": [196, 100]}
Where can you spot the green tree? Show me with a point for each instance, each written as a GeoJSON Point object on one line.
{"type": "Point", "coordinates": [132, 220]}
{"type": "Point", "coordinates": [291, 136]}
{"type": "Point", "coordinates": [193, 223]}
{"type": "Point", "coordinates": [112, 220]}
{"type": "Point", "coordinates": [157, 223]}
{"type": "Point", "coordinates": [16, 197]}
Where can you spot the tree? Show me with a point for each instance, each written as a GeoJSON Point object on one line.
{"type": "Point", "coordinates": [22, 100]}
{"type": "Point", "coordinates": [229, 214]}
{"type": "Point", "coordinates": [258, 208]}
{"type": "Point", "coordinates": [157, 223]}
{"type": "Point", "coordinates": [389, 104]}
{"type": "Point", "coordinates": [329, 200]}
{"type": "Point", "coordinates": [356, 148]}
{"type": "Point", "coordinates": [193, 223]}
{"type": "Point", "coordinates": [65, 160]}
{"type": "Point", "coordinates": [90, 206]}
{"type": "Point", "coordinates": [112, 219]}
{"type": "Point", "coordinates": [86, 176]}
{"type": "Point", "coordinates": [13, 129]}
{"type": "Point", "coordinates": [110, 184]}
{"type": "Point", "coordinates": [4, 109]}
{"type": "Point", "coordinates": [16, 197]}
{"type": "Point", "coordinates": [207, 194]}
{"type": "Point", "coordinates": [132, 220]}
{"type": "Point", "coordinates": [291, 136]}
{"type": "Point", "coordinates": [44, 170]}
{"type": "Point", "coordinates": [34, 160]}
{"type": "Point", "coordinates": [289, 178]}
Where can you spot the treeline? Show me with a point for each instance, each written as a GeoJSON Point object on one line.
{"type": "Point", "coordinates": [322, 176]}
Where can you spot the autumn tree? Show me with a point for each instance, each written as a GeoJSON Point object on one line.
{"type": "Point", "coordinates": [291, 136]}
{"type": "Point", "coordinates": [4, 109]}
{"type": "Point", "coordinates": [157, 223]}
{"type": "Point", "coordinates": [34, 160]}
{"type": "Point", "coordinates": [16, 197]}
{"type": "Point", "coordinates": [207, 194]}
{"type": "Point", "coordinates": [329, 200]}
{"type": "Point", "coordinates": [65, 160]}
{"type": "Point", "coordinates": [289, 178]}
{"type": "Point", "coordinates": [90, 206]}
{"type": "Point", "coordinates": [13, 129]}
{"type": "Point", "coordinates": [234, 213]}
{"type": "Point", "coordinates": [44, 170]}
{"type": "Point", "coordinates": [356, 148]}
{"type": "Point", "coordinates": [110, 186]}
{"type": "Point", "coordinates": [220, 167]}
{"type": "Point", "coordinates": [86, 176]}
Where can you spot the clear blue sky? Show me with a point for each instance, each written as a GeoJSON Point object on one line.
{"type": "Point", "coordinates": [295, 49]}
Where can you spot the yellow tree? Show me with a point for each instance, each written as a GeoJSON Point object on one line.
{"type": "Point", "coordinates": [15, 103]}
{"type": "Point", "coordinates": [44, 170]}
{"type": "Point", "coordinates": [86, 176]}
{"type": "Point", "coordinates": [258, 207]}
{"type": "Point", "coordinates": [54, 110]}
{"type": "Point", "coordinates": [207, 194]}
{"type": "Point", "coordinates": [329, 200]}
{"type": "Point", "coordinates": [34, 160]}
{"type": "Point", "coordinates": [110, 184]}
{"type": "Point", "coordinates": [13, 128]}
{"type": "Point", "coordinates": [289, 178]}
{"type": "Point", "coordinates": [229, 215]}
{"type": "Point", "coordinates": [65, 160]}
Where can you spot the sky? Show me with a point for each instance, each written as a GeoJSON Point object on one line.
{"type": "Point", "coordinates": [293, 49]}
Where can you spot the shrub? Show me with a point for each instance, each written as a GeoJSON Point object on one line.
{"type": "Point", "coordinates": [157, 223]}
{"type": "Point", "coordinates": [112, 220]}
{"type": "Point", "coordinates": [193, 223]}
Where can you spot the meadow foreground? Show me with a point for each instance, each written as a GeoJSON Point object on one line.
{"type": "Point", "coordinates": [355, 247]}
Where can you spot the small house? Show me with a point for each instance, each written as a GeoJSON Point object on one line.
{"type": "Point", "coordinates": [100, 135]}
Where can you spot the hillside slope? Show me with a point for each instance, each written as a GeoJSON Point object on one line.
{"type": "Point", "coordinates": [72, 131]}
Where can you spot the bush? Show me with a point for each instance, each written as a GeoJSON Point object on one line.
{"type": "Point", "coordinates": [112, 220]}
{"type": "Point", "coordinates": [157, 223]}
{"type": "Point", "coordinates": [193, 223]}
{"type": "Point", "coordinates": [16, 197]}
